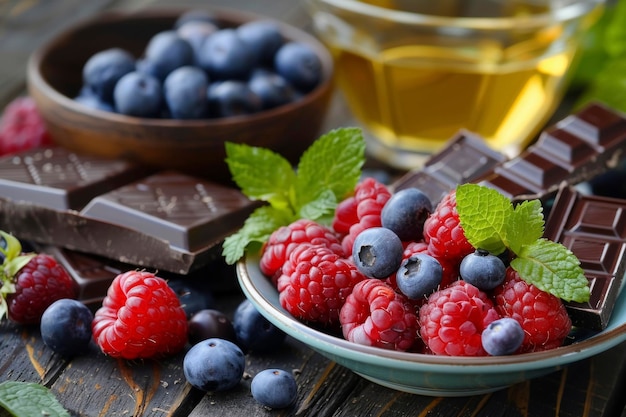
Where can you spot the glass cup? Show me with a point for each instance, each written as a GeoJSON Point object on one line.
{"type": "Point", "coordinates": [416, 72]}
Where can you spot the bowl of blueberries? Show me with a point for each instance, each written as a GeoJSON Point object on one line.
{"type": "Point", "coordinates": [168, 87]}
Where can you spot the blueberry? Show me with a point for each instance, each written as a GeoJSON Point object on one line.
{"type": "Point", "coordinates": [254, 332]}
{"type": "Point", "coordinates": [272, 89]}
{"type": "Point", "coordinates": [274, 388]}
{"type": "Point", "coordinates": [419, 276]}
{"type": "Point", "coordinates": [377, 252]}
{"type": "Point", "coordinates": [138, 94]}
{"type": "Point", "coordinates": [483, 270]}
{"type": "Point", "coordinates": [192, 294]}
{"type": "Point", "coordinates": [502, 337]}
{"type": "Point", "coordinates": [232, 98]}
{"type": "Point", "coordinates": [214, 365]}
{"type": "Point", "coordinates": [299, 64]}
{"type": "Point", "coordinates": [66, 327]}
{"type": "Point", "coordinates": [210, 323]}
{"type": "Point", "coordinates": [87, 97]}
{"type": "Point", "coordinates": [103, 70]}
{"type": "Point", "coordinates": [405, 213]}
{"type": "Point", "coordinates": [196, 32]}
{"type": "Point", "coordinates": [224, 55]}
{"type": "Point", "coordinates": [264, 38]}
{"type": "Point", "coordinates": [165, 52]}
{"type": "Point", "coordinates": [185, 93]}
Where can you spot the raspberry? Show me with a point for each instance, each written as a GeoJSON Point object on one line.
{"type": "Point", "coordinates": [542, 315]}
{"type": "Point", "coordinates": [375, 315]}
{"type": "Point", "coordinates": [38, 284]}
{"type": "Point", "coordinates": [453, 319]}
{"type": "Point", "coordinates": [22, 127]}
{"type": "Point", "coordinates": [140, 317]}
{"type": "Point", "coordinates": [443, 232]}
{"type": "Point", "coordinates": [315, 283]}
{"type": "Point", "coordinates": [361, 211]}
{"type": "Point", "coordinates": [283, 241]}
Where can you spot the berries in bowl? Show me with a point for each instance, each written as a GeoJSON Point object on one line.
{"type": "Point", "coordinates": [168, 87]}
{"type": "Point", "coordinates": [495, 316]}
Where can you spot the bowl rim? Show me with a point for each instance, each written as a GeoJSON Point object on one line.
{"type": "Point", "coordinates": [418, 361]}
{"type": "Point", "coordinates": [35, 78]}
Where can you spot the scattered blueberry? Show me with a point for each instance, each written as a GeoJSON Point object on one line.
{"type": "Point", "coordinates": [274, 388]}
{"type": "Point", "coordinates": [377, 252]}
{"type": "Point", "coordinates": [214, 365]}
{"type": "Point", "coordinates": [483, 270]}
{"type": "Point", "coordinates": [103, 70]}
{"type": "Point", "coordinates": [185, 93]}
{"type": "Point", "coordinates": [405, 213]}
{"type": "Point", "coordinates": [264, 37]}
{"type": "Point", "coordinates": [419, 276]}
{"type": "Point", "coordinates": [138, 94]}
{"type": "Point", "coordinates": [224, 55]}
{"type": "Point", "coordinates": [232, 98]}
{"type": "Point", "coordinates": [254, 332]}
{"type": "Point", "coordinates": [502, 337]}
{"type": "Point", "coordinates": [272, 89]}
{"type": "Point", "coordinates": [193, 295]}
{"type": "Point", "coordinates": [165, 52]}
{"type": "Point", "coordinates": [210, 323]}
{"type": "Point", "coordinates": [66, 327]}
{"type": "Point", "coordinates": [299, 64]}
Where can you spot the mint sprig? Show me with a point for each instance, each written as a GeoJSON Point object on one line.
{"type": "Point", "coordinates": [326, 173]}
{"type": "Point", "coordinates": [27, 399]}
{"type": "Point", "coordinates": [490, 221]}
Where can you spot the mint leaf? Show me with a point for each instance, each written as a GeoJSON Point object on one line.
{"type": "Point", "coordinates": [27, 399]}
{"type": "Point", "coordinates": [525, 225]}
{"type": "Point", "coordinates": [321, 208]}
{"type": "Point", "coordinates": [333, 162]}
{"type": "Point", "coordinates": [256, 229]}
{"type": "Point", "coordinates": [261, 174]}
{"type": "Point", "coordinates": [615, 35]}
{"type": "Point", "coordinates": [553, 268]}
{"type": "Point", "coordinates": [609, 86]}
{"type": "Point", "coordinates": [483, 213]}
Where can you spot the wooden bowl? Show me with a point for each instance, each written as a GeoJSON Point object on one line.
{"type": "Point", "coordinates": [54, 77]}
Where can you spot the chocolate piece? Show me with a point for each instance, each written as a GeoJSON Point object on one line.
{"type": "Point", "coordinates": [465, 158]}
{"type": "Point", "coordinates": [167, 221]}
{"type": "Point", "coordinates": [594, 229]}
{"type": "Point", "coordinates": [576, 149]}
{"type": "Point", "coordinates": [61, 179]}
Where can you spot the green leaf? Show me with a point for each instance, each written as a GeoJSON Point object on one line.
{"type": "Point", "coordinates": [615, 35]}
{"type": "Point", "coordinates": [320, 208]}
{"type": "Point", "coordinates": [553, 268]}
{"type": "Point", "coordinates": [13, 246]}
{"type": "Point", "coordinates": [333, 162]}
{"type": "Point", "coordinates": [261, 174]}
{"type": "Point", "coordinates": [609, 86]}
{"type": "Point", "coordinates": [525, 225]}
{"type": "Point", "coordinates": [256, 229]}
{"type": "Point", "coordinates": [27, 399]}
{"type": "Point", "coordinates": [483, 213]}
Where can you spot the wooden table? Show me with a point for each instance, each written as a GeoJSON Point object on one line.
{"type": "Point", "coordinates": [95, 385]}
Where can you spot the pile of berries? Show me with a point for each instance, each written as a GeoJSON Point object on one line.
{"type": "Point", "coordinates": [202, 69]}
{"type": "Point", "coordinates": [393, 271]}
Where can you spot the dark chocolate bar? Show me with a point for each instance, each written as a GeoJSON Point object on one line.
{"type": "Point", "coordinates": [576, 149]}
{"type": "Point", "coordinates": [465, 158]}
{"type": "Point", "coordinates": [594, 229]}
{"type": "Point", "coordinates": [167, 220]}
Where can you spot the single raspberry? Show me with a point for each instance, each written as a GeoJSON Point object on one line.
{"type": "Point", "coordinates": [376, 315]}
{"type": "Point", "coordinates": [286, 238]}
{"type": "Point", "coordinates": [140, 317]}
{"type": "Point", "coordinates": [453, 319]}
{"type": "Point", "coordinates": [315, 283]}
{"type": "Point", "coordinates": [542, 315]}
{"type": "Point", "coordinates": [360, 211]}
{"type": "Point", "coordinates": [22, 127]}
{"type": "Point", "coordinates": [38, 284]}
{"type": "Point", "coordinates": [443, 232]}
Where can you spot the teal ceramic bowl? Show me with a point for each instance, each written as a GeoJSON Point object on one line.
{"type": "Point", "coordinates": [427, 374]}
